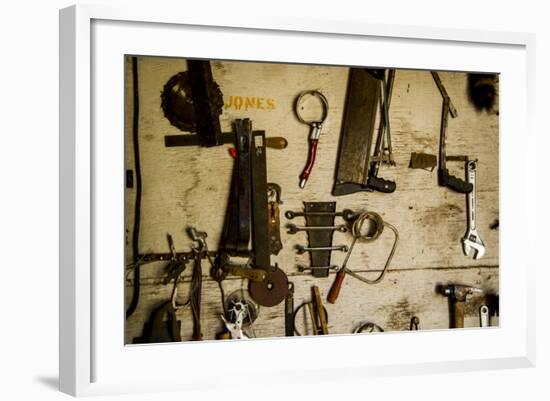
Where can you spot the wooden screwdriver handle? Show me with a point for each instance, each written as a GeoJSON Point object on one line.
{"type": "Point", "coordinates": [458, 319]}
{"type": "Point", "coordinates": [335, 289]}
{"type": "Point", "coordinates": [276, 142]}
{"type": "Point", "coordinates": [320, 309]}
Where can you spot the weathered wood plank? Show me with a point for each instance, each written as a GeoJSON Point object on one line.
{"type": "Point", "coordinates": [189, 186]}
{"type": "Point", "coordinates": [390, 304]}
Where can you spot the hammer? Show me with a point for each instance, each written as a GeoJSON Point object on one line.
{"type": "Point", "coordinates": [457, 294]}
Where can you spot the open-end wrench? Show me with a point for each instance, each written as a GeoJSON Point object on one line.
{"type": "Point", "coordinates": [346, 214]}
{"type": "Point", "coordinates": [472, 240]}
{"type": "Point", "coordinates": [300, 249]}
{"type": "Point", "coordinates": [293, 228]}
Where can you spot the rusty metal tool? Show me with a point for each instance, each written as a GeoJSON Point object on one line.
{"type": "Point", "coordinates": [235, 239]}
{"type": "Point", "coordinates": [171, 141]}
{"type": "Point", "coordinates": [383, 151]}
{"type": "Point", "coordinates": [247, 218]}
{"type": "Point", "coordinates": [443, 177]}
{"type": "Point", "coordinates": [457, 294]}
{"type": "Point", "coordinates": [274, 223]}
{"type": "Point", "coordinates": [357, 169]}
{"type": "Point", "coordinates": [289, 310]}
{"type": "Point", "coordinates": [315, 129]}
{"type": "Point", "coordinates": [303, 249]}
{"type": "Point", "coordinates": [177, 264]}
{"type": "Point", "coordinates": [272, 291]}
{"type": "Point", "coordinates": [226, 267]}
{"type": "Point", "coordinates": [196, 281]}
{"type": "Point", "coordinates": [423, 161]}
{"type": "Point", "coordinates": [293, 228]}
{"type": "Point", "coordinates": [346, 214]}
{"type": "Point", "coordinates": [312, 268]}
{"type": "Point", "coordinates": [319, 214]}
{"type": "Point", "coordinates": [192, 101]}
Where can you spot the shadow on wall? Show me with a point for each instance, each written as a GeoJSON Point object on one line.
{"type": "Point", "coordinates": [50, 382]}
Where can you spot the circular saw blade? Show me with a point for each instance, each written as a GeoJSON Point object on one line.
{"type": "Point", "coordinates": [177, 102]}
{"type": "Point", "coordinates": [272, 291]}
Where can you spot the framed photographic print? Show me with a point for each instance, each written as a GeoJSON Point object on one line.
{"type": "Point", "coordinates": [231, 192]}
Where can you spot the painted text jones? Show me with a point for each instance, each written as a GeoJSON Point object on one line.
{"type": "Point", "coordinates": [249, 103]}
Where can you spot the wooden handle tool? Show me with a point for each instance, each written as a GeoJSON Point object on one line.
{"type": "Point", "coordinates": [336, 286]}
{"type": "Point", "coordinates": [320, 310]}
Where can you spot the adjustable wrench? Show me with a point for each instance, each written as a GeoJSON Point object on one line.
{"type": "Point", "coordinates": [472, 240]}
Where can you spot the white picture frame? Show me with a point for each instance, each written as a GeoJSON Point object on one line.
{"type": "Point", "coordinates": [93, 358]}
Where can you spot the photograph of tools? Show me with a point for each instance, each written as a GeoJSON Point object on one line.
{"type": "Point", "coordinates": [272, 199]}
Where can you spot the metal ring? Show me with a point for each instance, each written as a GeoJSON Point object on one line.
{"type": "Point", "coordinates": [357, 226]}
{"type": "Point", "coordinates": [357, 235]}
{"type": "Point", "coordinates": [324, 101]}
{"type": "Point", "coordinates": [368, 325]}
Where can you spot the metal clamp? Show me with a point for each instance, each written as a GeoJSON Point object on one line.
{"type": "Point", "coordinates": [315, 130]}
{"type": "Point", "coordinates": [324, 102]}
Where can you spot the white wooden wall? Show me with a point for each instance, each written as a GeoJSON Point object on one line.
{"type": "Point", "coordinates": [188, 186]}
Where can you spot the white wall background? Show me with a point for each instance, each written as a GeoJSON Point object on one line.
{"type": "Point", "coordinates": [29, 199]}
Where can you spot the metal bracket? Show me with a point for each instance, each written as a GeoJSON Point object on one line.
{"type": "Point", "coordinates": [320, 238]}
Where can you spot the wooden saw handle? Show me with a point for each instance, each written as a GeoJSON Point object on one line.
{"type": "Point", "coordinates": [335, 289]}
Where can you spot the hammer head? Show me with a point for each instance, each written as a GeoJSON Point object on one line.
{"type": "Point", "coordinates": [458, 292]}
